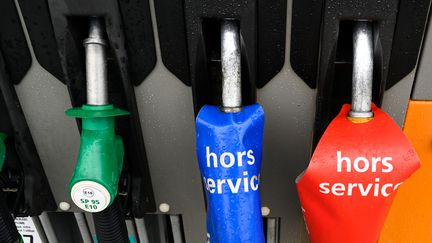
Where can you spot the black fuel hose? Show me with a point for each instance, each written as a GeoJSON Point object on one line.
{"type": "Point", "coordinates": [110, 224]}
{"type": "Point", "coordinates": [8, 230]}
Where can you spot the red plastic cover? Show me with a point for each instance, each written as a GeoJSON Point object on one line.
{"type": "Point", "coordinates": [352, 178]}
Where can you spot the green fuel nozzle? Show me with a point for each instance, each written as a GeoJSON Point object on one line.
{"type": "Point", "coordinates": [94, 183]}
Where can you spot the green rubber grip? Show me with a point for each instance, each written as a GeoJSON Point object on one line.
{"type": "Point", "coordinates": [94, 183]}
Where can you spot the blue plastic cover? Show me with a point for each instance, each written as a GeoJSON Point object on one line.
{"type": "Point", "coordinates": [229, 149]}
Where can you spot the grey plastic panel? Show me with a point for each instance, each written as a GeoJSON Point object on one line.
{"type": "Point", "coordinates": [39, 229]}
{"type": "Point", "coordinates": [141, 230]}
{"type": "Point", "coordinates": [272, 230]}
{"type": "Point", "coordinates": [130, 225]}
{"type": "Point", "coordinates": [395, 100]}
{"type": "Point", "coordinates": [60, 227]}
{"type": "Point", "coordinates": [47, 227]}
{"type": "Point", "coordinates": [423, 83]}
{"type": "Point", "coordinates": [176, 226]}
{"type": "Point", "coordinates": [289, 106]}
{"type": "Point", "coordinates": [44, 99]}
{"type": "Point", "coordinates": [83, 227]}
{"type": "Point", "coordinates": [167, 120]}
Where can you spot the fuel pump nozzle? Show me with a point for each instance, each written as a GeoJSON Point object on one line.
{"type": "Point", "coordinates": [230, 62]}
{"type": "Point", "coordinates": [362, 72]}
{"type": "Point", "coordinates": [96, 70]}
{"type": "Point", "coordinates": [94, 184]}
{"type": "Point", "coordinates": [362, 148]}
{"type": "Point", "coordinates": [229, 150]}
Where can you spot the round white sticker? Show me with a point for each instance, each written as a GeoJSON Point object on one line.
{"type": "Point", "coordinates": [90, 196]}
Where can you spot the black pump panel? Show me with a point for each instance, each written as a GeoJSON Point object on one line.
{"type": "Point", "coordinates": [185, 28]}
{"type": "Point", "coordinates": [128, 25]}
{"type": "Point", "coordinates": [57, 33]}
{"type": "Point", "coordinates": [23, 169]}
{"type": "Point", "coordinates": [321, 42]}
{"type": "Point", "coordinates": [13, 43]}
{"type": "Point", "coordinates": [399, 31]}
